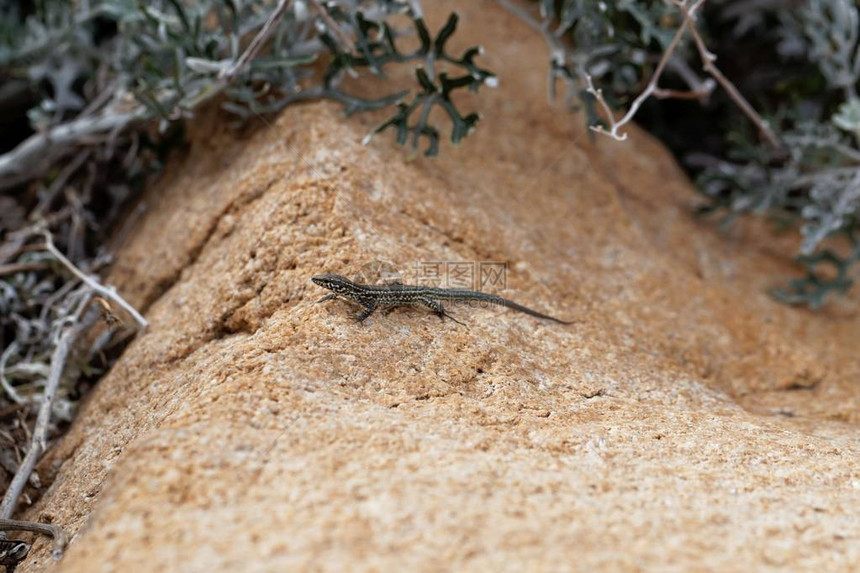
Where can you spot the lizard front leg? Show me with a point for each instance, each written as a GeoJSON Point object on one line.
{"type": "Point", "coordinates": [329, 296]}
{"type": "Point", "coordinates": [369, 307]}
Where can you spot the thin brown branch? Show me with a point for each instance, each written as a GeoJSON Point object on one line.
{"type": "Point", "coordinates": [708, 59]}
{"type": "Point", "coordinates": [13, 268]}
{"type": "Point", "coordinates": [60, 539]}
{"type": "Point", "coordinates": [332, 26]}
{"type": "Point", "coordinates": [649, 90]}
{"type": "Point", "coordinates": [25, 160]}
{"type": "Point", "coordinates": [38, 441]}
{"type": "Point", "coordinates": [106, 292]}
{"type": "Point", "coordinates": [11, 409]}
{"type": "Point", "coordinates": [696, 84]}
{"type": "Point", "coordinates": [661, 93]}
{"type": "Point", "coordinates": [257, 43]}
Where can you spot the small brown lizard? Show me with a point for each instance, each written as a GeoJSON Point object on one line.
{"type": "Point", "coordinates": [372, 297]}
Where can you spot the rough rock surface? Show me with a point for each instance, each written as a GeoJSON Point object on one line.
{"type": "Point", "coordinates": [686, 422]}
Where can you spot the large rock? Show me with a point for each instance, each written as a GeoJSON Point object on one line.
{"type": "Point", "coordinates": [686, 421]}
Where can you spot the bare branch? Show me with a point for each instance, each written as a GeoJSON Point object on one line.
{"type": "Point", "coordinates": [256, 44]}
{"type": "Point", "coordinates": [60, 539]}
{"type": "Point", "coordinates": [106, 292]}
{"type": "Point", "coordinates": [22, 162]}
{"type": "Point", "coordinates": [7, 387]}
{"type": "Point", "coordinates": [649, 90]}
{"type": "Point", "coordinates": [332, 26]}
{"type": "Point", "coordinates": [708, 59]}
{"type": "Point", "coordinates": [703, 92]}
{"type": "Point", "coordinates": [652, 89]}
{"type": "Point", "coordinates": [13, 268]}
{"type": "Point", "coordinates": [38, 441]}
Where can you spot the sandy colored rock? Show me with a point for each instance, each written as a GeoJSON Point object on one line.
{"type": "Point", "coordinates": [687, 421]}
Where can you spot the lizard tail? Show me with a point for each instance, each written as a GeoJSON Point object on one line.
{"type": "Point", "coordinates": [500, 301]}
{"type": "Point", "coordinates": [524, 309]}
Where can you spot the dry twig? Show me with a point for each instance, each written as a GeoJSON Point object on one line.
{"type": "Point", "coordinates": [79, 322]}
{"type": "Point", "coordinates": [106, 292]}
{"type": "Point", "coordinates": [38, 441]}
{"type": "Point", "coordinates": [688, 24]}
{"type": "Point", "coordinates": [60, 539]}
{"type": "Point", "coordinates": [650, 89]}
{"type": "Point", "coordinates": [708, 59]}
{"type": "Point", "coordinates": [256, 44]}
{"type": "Point", "coordinates": [331, 25]}
{"type": "Point", "coordinates": [27, 158]}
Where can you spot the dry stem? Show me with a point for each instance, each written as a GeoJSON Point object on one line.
{"type": "Point", "coordinates": [257, 43]}
{"type": "Point", "coordinates": [649, 90]}
{"type": "Point", "coordinates": [38, 441]}
{"type": "Point", "coordinates": [23, 161]}
{"type": "Point", "coordinates": [708, 59]}
{"type": "Point", "coordinates": [332, 26]}
{"type": "Point", "coordinates": [106, 292]}
{"type": "Point", "coordinates": [54, 531]}
{"type": "Point", "coordinates": [652, 89]}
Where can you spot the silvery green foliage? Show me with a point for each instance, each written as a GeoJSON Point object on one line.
{"type": "Point", "coordinates": [812, 181]}
{"type": "Point", "coordinates": [831, 27]}
{"type": "Point", "coordinates": [833, 193]}
{"type": "Point", "coordinates": [833, 201]}
{"type": "Point", "coordinates": [611, 41]}
{"type": "Point", "coordinates": [815, 180]}
{"type": "Point", "coordinates": [847, 117]}
{"type": "Point", "coordinates": [172, 56]}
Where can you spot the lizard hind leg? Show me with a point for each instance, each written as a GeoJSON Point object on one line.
{"type": "Point", "coordinates": [439, 309]}
{"type": "Point", "coordinates": [386, 310]}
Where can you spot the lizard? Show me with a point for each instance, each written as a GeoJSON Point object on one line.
{"type": "Point", "coordinates": [372, 297]}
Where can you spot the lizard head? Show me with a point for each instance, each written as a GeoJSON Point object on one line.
{"type": "Point", "coordinates": [334, 283]}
